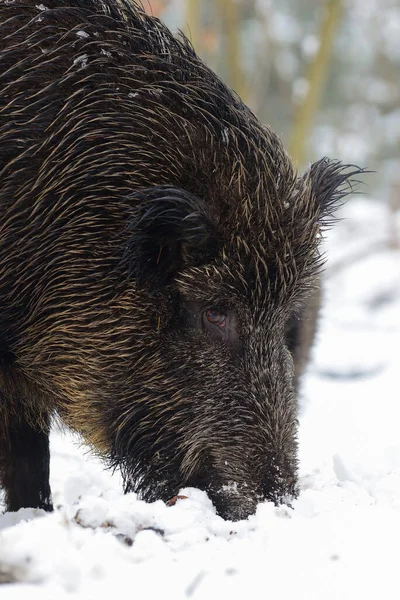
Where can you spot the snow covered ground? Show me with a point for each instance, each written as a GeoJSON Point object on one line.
{"type": "Point", "coordinates": [341, 537]}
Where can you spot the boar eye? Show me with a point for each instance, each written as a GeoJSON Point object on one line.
{"type": "Point", "coordinates": [215, 317]}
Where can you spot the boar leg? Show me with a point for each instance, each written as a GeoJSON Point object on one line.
{"type": "Point", "coordinates": [24, 464]}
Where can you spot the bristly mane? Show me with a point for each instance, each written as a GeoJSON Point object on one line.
{"type": "Point", "coordinates": [190, 133]}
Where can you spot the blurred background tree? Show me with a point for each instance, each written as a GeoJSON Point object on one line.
{"type": "Point", "coordinates": [324, 74]}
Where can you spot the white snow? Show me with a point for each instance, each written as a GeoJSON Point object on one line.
{"type": "Point", "coordinates": [81, 60]}
{"type": "Point", "coordinates": [340, 538]}
{"type": "Point", "coordinates": [310, 46]}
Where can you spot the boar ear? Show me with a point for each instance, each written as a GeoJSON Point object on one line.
{"type": "Point", "coordinates": [171, 230]}
{"type": "Point", "coordinates": [331, 182]}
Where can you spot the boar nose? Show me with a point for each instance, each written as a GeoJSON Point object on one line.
{"type": "Point", "coordinates": [231, 504]}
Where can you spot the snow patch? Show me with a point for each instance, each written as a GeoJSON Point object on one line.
{"type": "Point", "coordinates": [81, 61]}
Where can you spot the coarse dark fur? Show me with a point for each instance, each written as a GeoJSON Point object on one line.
{"type": "Point", "coordinates": [137, 194]}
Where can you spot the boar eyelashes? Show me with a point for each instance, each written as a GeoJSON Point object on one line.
{"type": "Point", "coordinates": [171, 231]}
{"type": "Point", "coordinates": [222, 327]}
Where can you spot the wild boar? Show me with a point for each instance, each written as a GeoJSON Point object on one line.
{"type": "Point", "coordinates": [156, 247]}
